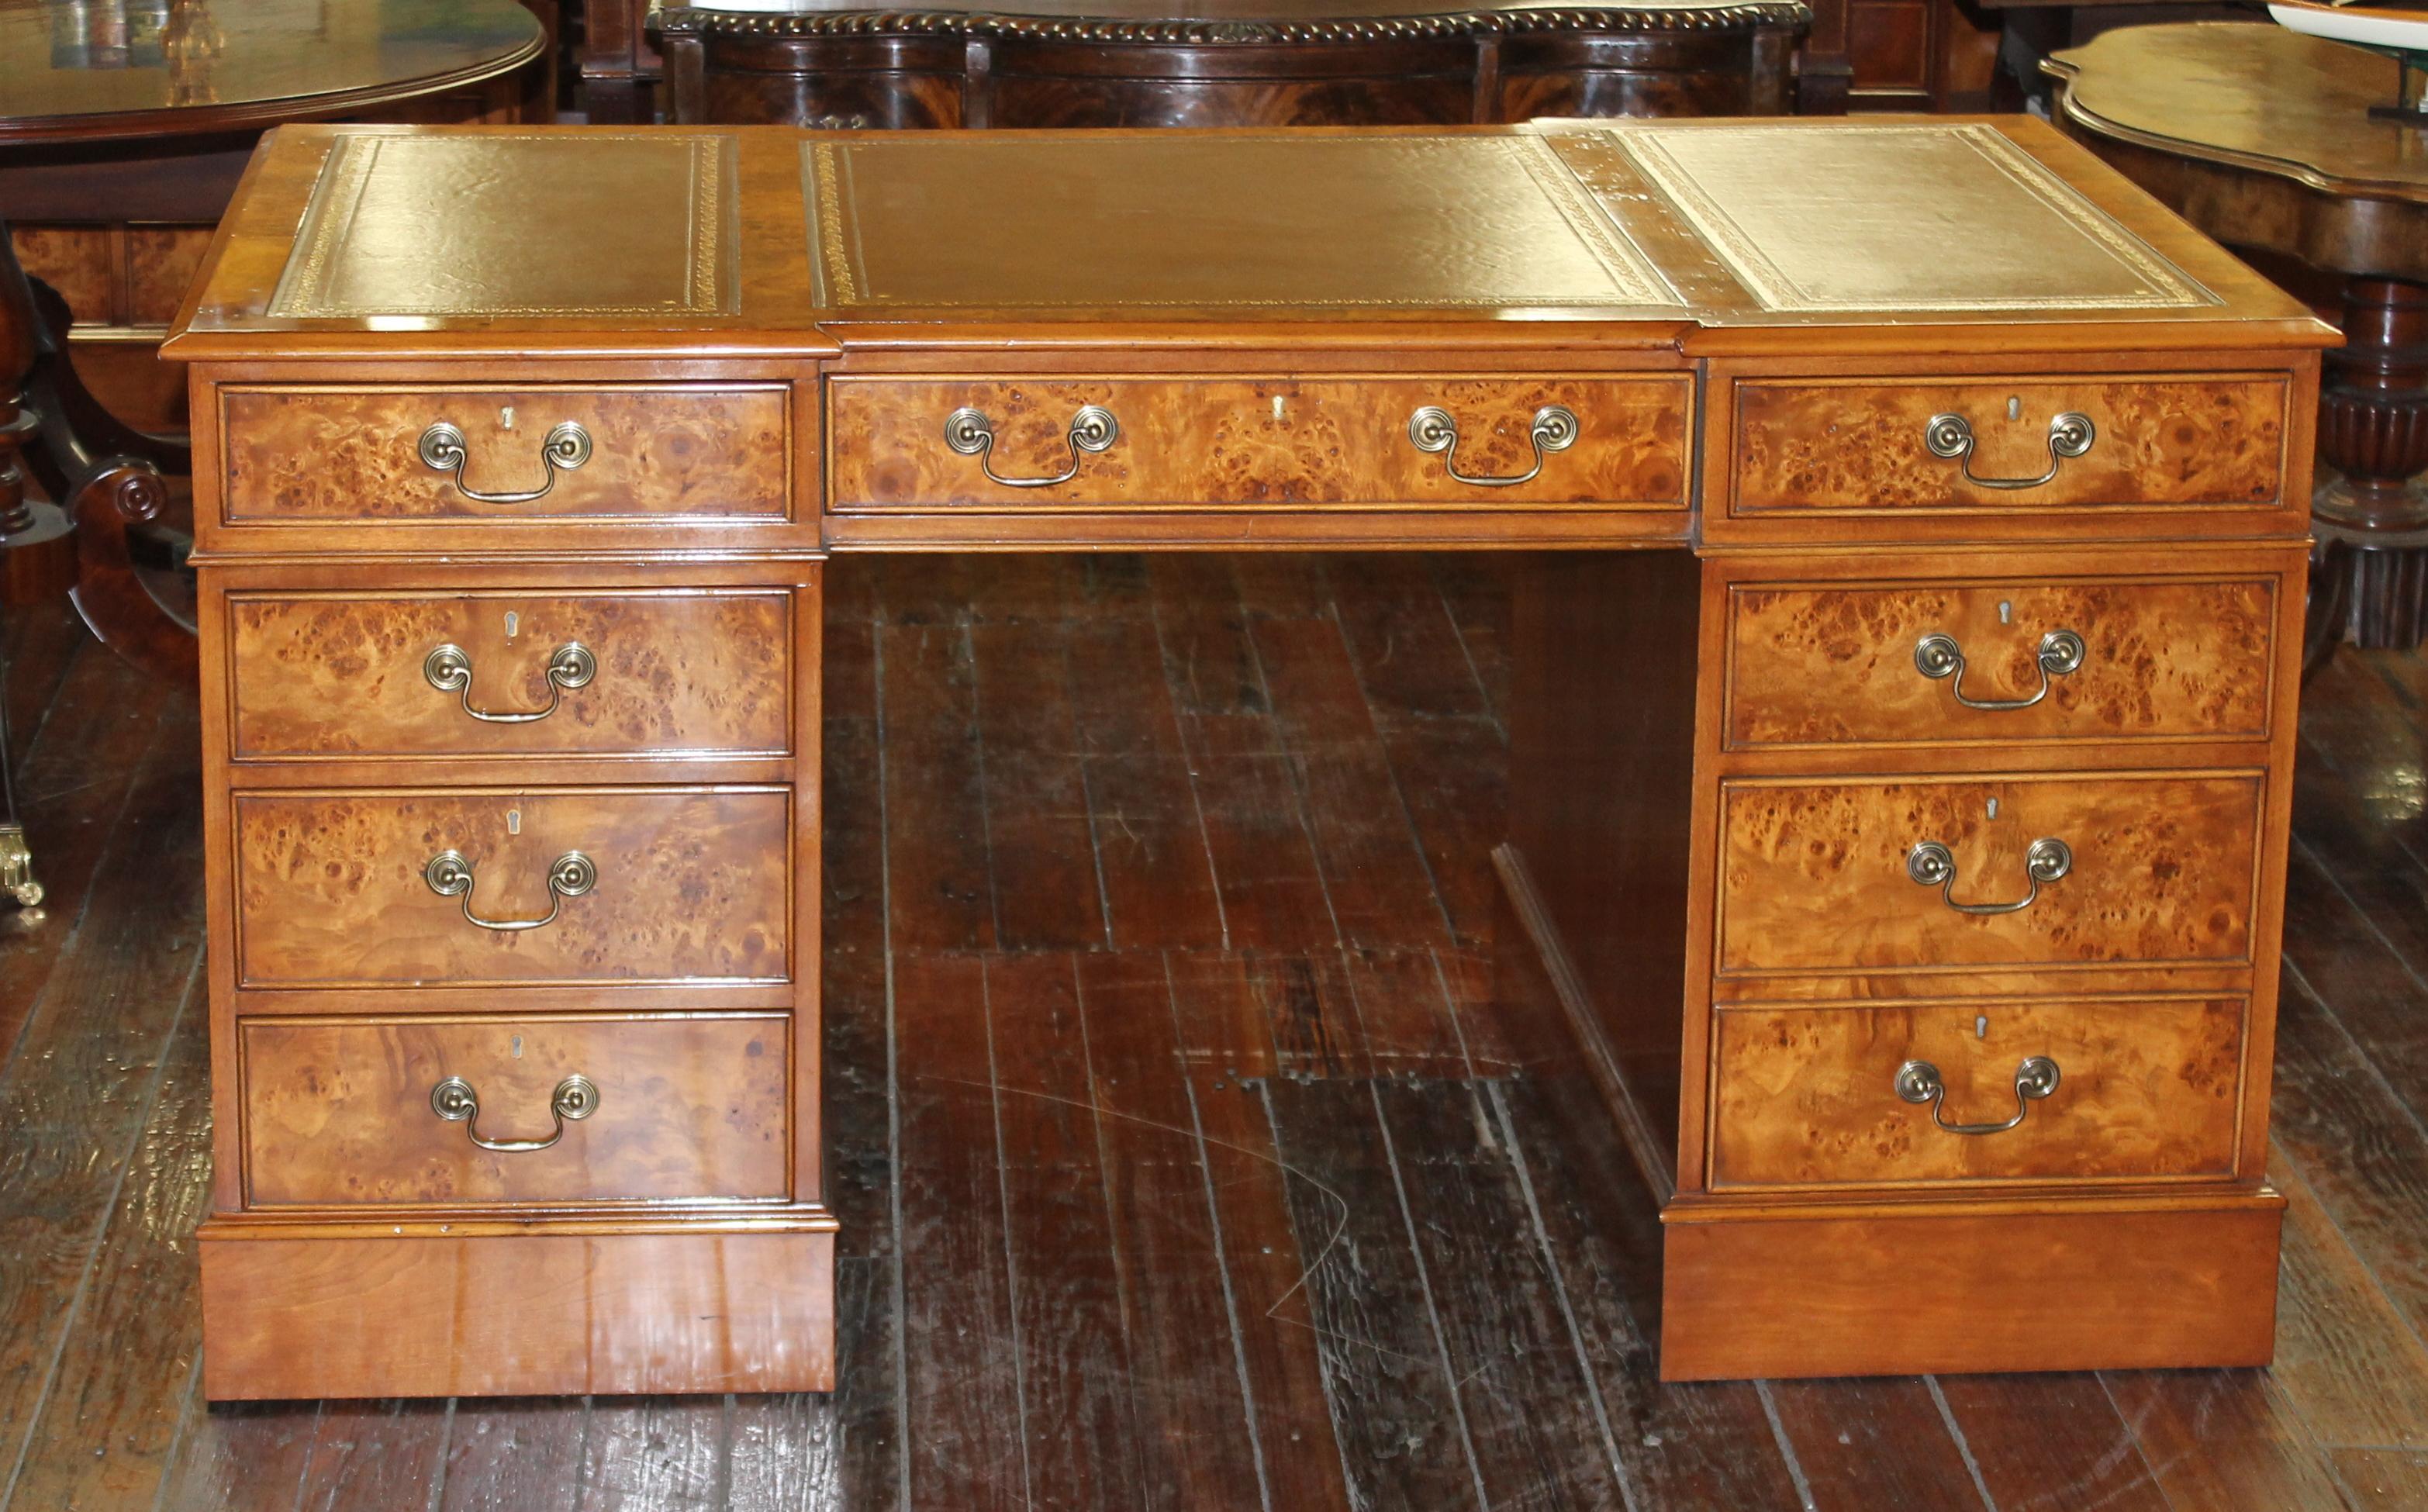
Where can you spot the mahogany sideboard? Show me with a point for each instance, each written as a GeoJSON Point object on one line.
{"type": "Point", "coordinates": [1080, 63]}
{"type": "Point", "coordinates": [1906, 668]}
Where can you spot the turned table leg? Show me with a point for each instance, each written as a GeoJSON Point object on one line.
{"type": "Point", "coordinates": [2369, 573]}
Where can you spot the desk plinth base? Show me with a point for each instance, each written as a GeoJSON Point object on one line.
{"type": "Point", "coordinates": [2014, 1285]}
{"type": "Point", "coordinates": [512, 1310]}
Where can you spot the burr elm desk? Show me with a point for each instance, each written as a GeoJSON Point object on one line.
{"type": "Point", "coordinates": [1901, 741]}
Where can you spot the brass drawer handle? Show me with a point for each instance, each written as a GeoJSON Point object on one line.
{"type": "Point", "coordinates": [1432, 431]}
{"type": "Point", "coordinates": [570, 876]}
{"type": "Point", "coordinates": [1933, 864]}
{"type": "Point", "coordinates": [970, 433]}
{"type": "Point", "coordinates": [1951, 436]}
{"type": "Point", "coordinates": [449, 670]}
{"type": "Point", "coordinates": [576, 1098]}
{"type": "Point", "coordinates": [567, 447]}
{"type": "Point", "coordinates": [1936, 656]}
{"type": "Point", "coordinates": [1918, 1081]}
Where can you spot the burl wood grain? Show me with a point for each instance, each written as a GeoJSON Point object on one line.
{"type": "Point", "coordinates": [339, 1113]}
{"type": "Point", "coordinates": [1194, 443]}
{"type": "Point", "coordinates": [350, 453]}
{"type": "Point", "coordinates": [1814, 444]}
{"type": "Point", "coordinates": [318, 675]}
{"type": "Point", "coordinates": [692, 884]}
{"type": "Point", "coordinates": [551, 1314]}
{"type": "Point", "coordinates": [1803, 1096]}
{"type": "Point", "coordinates": [1836, 666]}
{"type": "Point", "coordinates": [1813, 876]}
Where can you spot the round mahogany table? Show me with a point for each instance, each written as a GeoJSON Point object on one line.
{"type": "Point", "coordinates": [123, 128]}
{"type": "Point", "coordinates": [2262, 137]}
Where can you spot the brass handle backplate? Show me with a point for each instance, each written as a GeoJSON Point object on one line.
{"type": "Point", "coordinates": [1951, 437]}
{"type": "Point", "coordinates": [448, 669]}
{"type": "Point", "coordinates": [567, 447]}
{"type": "Point", "coordinates": [1937, 655]}
{"type": "Point", "coordinates": [1933, 864]}
{"type": "Point", "coordinates": [570, 876]}
{"type": "Point", "coordinates": [1432, 431]}
{"type": "Point", "coordinates": [1918, 1081]}
{"type": "Point", "coordinates": [575, 1098]}
{"type": "Point", "coordinates": [970, 433]}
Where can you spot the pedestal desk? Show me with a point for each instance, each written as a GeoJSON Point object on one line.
{"type": "Point", "coordinates": [1904, 675]}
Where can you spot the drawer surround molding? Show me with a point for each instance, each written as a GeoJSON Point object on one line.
{"type": "Point", "coordinates": [1645, 703]}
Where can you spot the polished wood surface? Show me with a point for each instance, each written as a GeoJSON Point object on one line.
{"type": "Point", "coordinates": [1283, 443]}
{"type": "Point", "coordinates": [1079, 63]}
{"type": "Point", "coordinates": [321, 676]}
{"type": "Point", "coordinates": [1833, 663]}
{"type": "Point", "coordinates": [105, 1308]}
{"type": "Point", "coordinates": [1805, 1096]}
{"type": "Point", "coordinates": [329, 889]}
{"type": "Point", "coordinates": [337, 1112]}
{"type": "Point", "coordinates": [877, 285]}
{"type": "Point", "coordinates": [1814, 873]}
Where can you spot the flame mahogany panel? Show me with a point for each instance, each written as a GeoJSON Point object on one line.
{"type": "Point", "coordinates": [1834, 664]}
{"type": "Point", "coordinates": [327, 675]}
{"type": "Point", "coordinates": [1193, 443]}
{"type": "Point", "coordinates": [1857, 444]}
{"type": "Point", "coordinates": [692, 884]}
{"type": "Point", "coordinates": [1812, 874]}
{"type": "Point", "coordinates": [311, 455]}
{"type": "Point", "coordinates": [337, 1112]}
{"type": "Point", "coordinates": [1803, 1096]}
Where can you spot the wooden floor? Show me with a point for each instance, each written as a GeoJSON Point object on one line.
{"type": "Point", "coordinates": [1182, 1158]}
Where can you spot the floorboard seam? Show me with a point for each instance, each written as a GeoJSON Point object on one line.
{"type": "Point", "coordinates": [893, 1080]}
{"type": "Point", "coordinates": [1786, 1447]}
{"type": "Point", "coordinates": [1425, 1285]}
{"type": "Point", "coordinates": [1963, 1445]}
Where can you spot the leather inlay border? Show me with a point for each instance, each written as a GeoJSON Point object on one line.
{"type": "Point", "coordinates": [305, 290]}
{"type": "Point", "coordinates": [2162, 284]}
{"type": "Point", "coordinates": [840, 278]}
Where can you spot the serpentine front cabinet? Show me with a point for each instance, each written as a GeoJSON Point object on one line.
{"type": "Point", "coordinates": [1905, 682]}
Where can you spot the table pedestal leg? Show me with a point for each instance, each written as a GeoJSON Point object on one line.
{"type": "Point", "coordinates": [2369, 576]}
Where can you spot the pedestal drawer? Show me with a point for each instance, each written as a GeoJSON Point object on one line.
{"type": "Point", "coordinates": [1976, 1091]}
{"type": "Point", "coordinates": [1923, 874]}
{"type": "Point", "coordinates": [1997, 663]}
{"type": "Point", "coordinates": [298, 454]}
{"type": "Point", "coordinates": [1194, 443]}
{"type": "Point", "coordinates": [2008, 445]}
{"type": "Point", "coordinates": [543, 672]}
{"type": "Point", "coordinates": [473, 887]}
{"type": "Point", "coordinates": [470, 1110]}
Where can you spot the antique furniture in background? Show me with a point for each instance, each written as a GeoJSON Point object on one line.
{"type": "Point", "coordinates": [37, 554]}
{"type": "Point", "coordinates": [1077, 63]}
{"type": "Point", "coordinates": [1902, 722]}
{"type": "Point", "coordinates": [2264, 139]}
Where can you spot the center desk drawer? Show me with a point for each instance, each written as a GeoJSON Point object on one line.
{"type": "Point", "coordinates": [301, 454]}
{"type": "Point", "coordinates": [496, 1110]}
{"type": "Point", "coordinates": [468, 888]}
{"type": "Point", "coordinates": [1923, 874]}
{"type": "Point", "coordinates": [1191, 443]}
{"type": "Point", "coordinates": [1844, 663]}
{"type": "Point", "coordinates": [2007, 445]}
{"type": "Point", "coordinates": [1976, 1091]}
{"type": "Point", "coordinates": [630, 671]}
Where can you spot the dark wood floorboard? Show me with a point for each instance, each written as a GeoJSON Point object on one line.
{"type": "Point", "coordinates": [1183, 1158]}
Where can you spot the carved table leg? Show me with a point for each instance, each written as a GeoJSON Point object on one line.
{"type": "Point", "coordinates": [2370, 578]}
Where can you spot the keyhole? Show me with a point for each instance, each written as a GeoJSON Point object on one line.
{"type": "Point", "coordinates": [506, 419]}
{"type": "Point", "coordinates": [1993, 808]}
{"type": "Point", "coordinates": [518, 1046]}
{"type": "Point", "coordinates": [1980, 1029]}
{"type": "Point", "coordinates": [513, 821]}
{"type": "Point", "coordinates": [514, 621]}
{"type": "Point", "coordinates": [1278, 404]}
{"type": "Point", "coordinates": [2014, 408]}
{"type": "Point", "coordinates": [2006, 612]}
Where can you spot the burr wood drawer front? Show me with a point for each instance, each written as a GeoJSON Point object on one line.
{"type": "Point", "coordinates": [1063, 442]}
{"type": "Point", "coordinates": [472, 887]}
{"type": "Point", "coordinates": [467, 1110]}
{"type": "Point", "coordinates": [510, 672]}
{"type": "Point", "coordinates": [1995, 663]}
{"type": "Point", "coordinates": [1976, 1091]}
{"type": "Point", "coordinates": [2008, 445]}
{"type": "Point", "coordinates": [298, 454]}
{"type": "Point", "coordinates": [2104, 868]}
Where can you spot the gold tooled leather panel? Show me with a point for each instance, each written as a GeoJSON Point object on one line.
{"type": "Point", "coordinates": [1899, 218]}
{"type": "Point", "coordinates": [442, 224]}
{"type": "Point", "coordinates": [1184, 220]}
